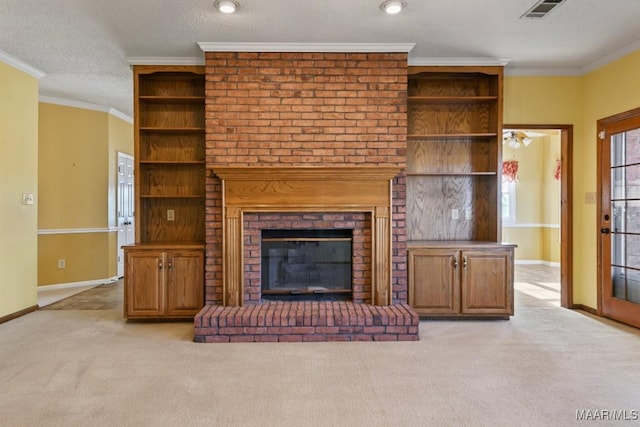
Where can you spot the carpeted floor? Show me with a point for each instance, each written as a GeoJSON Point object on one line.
{"type": "Point", "coordinates": [76, 367]}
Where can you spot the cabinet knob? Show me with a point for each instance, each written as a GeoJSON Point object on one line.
{"type": "Point", "coordinates": [464, 262]}
{"type": "Point", "coordinates": [160, 264]}
{"type": "Point", "coordinates": [170, 264]}
{"type": "Point", "coordinates": [454, 262]}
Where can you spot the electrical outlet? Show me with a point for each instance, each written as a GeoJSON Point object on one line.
{"type": "Point", "coordinates": [27, 198]}
{"type": "Point", "coordinates": [468, 214]}
{"type": "Point", "coordinates": [454, 214]}
{"type": "Point", "coordinates": [62, 263]}
{"type": "Point", "coordinates": [171, 215]}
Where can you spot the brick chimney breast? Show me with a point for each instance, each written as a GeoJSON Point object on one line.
{"type": "Point", "coordinates": [305, 110]}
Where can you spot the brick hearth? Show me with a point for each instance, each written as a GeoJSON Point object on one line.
{"type": "Point", "coordinates": [306, 321]}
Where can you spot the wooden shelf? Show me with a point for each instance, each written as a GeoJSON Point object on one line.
{"type": "Point", "coordinates": [480, 135]}
{"type": "Point", "coordinates": [451, 99]}
{"type": "Point", "coordinates": [172, 99]}
{"type": "Point", "coordinates": [172, 162]}
{"type": "Point", "coordinates": [172, 129]}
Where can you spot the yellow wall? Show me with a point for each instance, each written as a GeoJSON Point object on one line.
{"type": "Point", "coordinates": [86, 255]}
{"type": "Point", "coordinates": [580, 101]}
{"type": "Point", "coordinates": [559, 100]}
{"type": "Point", "coordinates": [18, 174]}
{"type": "Point", "coordinates": [550, 200]}
{"type": "Point", "coordinates": [73, 169]}
{"type": "Point", "coordinates": [77, 184]}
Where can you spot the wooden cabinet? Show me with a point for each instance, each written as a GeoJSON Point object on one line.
{"type": "Point", "coordinates": [164, 272]}
{"type": "Point", "coordinates": [160, 283]}
{"type": "Point", "coordinates": [461, 279]}
{"type": "Point", "coordinates": [454, 164]}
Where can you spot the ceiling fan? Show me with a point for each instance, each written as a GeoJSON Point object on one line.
{"type": "Point", "coordinates": [517, 138]}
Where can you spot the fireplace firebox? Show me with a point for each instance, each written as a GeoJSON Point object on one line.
{"type": "Point", "coordinates": [308, 265]}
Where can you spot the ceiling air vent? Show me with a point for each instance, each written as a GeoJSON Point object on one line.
{"type": "Point", "coordinates": [542, 8]}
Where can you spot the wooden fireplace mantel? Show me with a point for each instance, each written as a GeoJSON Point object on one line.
{"type": "Point", "coordinates": [306, 189]}
{"type": "Point", "coordinates": [256, 173]}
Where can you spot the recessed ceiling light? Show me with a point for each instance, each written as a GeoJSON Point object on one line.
{"type": "Point", "coordinates": [393, 7]}
{"type": "Point", "coordinates": [226, 6]}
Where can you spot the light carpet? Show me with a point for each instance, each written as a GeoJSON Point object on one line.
{"type": "Point", "coordinates": [90, 367]}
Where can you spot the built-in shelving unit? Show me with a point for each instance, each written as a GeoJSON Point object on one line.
{"type": "Point", "coordinates": [170, 177]}
{"type": "Point", "coordinates": [453, 188]}
{"type": "Point", "coordinates": [170, 193]}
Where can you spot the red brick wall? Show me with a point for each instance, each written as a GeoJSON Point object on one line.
{"type": "Point", "coordinates": [305, 109]}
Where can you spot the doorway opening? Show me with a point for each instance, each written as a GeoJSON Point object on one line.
{"type": "Point", "coordinates": [554, 161]}
{"type": "Point", "coordinates": [124, 208]}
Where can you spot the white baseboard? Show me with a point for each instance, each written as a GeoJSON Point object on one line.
{"type": "Point", "coordinates": [536, 262]}
{"type": "Point", "coordinates": [77, 284]}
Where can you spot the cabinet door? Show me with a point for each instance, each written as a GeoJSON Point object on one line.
{"type": "Point", "coordinates": [144, 284]}
{"type": "Point", "coordinates": [185, 282]}
{"type": "Point", "coordinates": [487, 281]}
{"type": "Point", "coordinates": [434, 286]}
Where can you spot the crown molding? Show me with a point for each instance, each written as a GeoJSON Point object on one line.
{"type": "Point", "coordinates": [84, 106]}
{"type": "Point", "coordinates": [306, 47]}
{"type": "Point", "coordinates": [122, 116]}
{"type": "Point", "coordinates": [457, 62]}
{"type": "Point", "coordinates": [22, 66]}
{"type": "Point", "coordinates": [165, 60]}
{"type": "Point", "coordinates": [533, 72]}
{"type": "Point", "coordinates": [607, 59]}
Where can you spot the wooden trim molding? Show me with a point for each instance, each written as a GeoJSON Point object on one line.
{"type": "Point", "coordinates": [311, 189]}
{"type": "Point", "coordinates": [586, 308]}
{"type": "Point", "coordinates": [18, 313]}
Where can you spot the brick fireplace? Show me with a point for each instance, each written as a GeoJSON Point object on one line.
{"type": "Point", "coordinates": [314, 137]}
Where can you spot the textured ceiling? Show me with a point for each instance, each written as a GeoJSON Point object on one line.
{"type": "Point", "coordinates": [82, 46]}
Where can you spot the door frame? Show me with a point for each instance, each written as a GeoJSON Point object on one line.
{"type": "Point", "coordinates": [566, 206]}
{"type": "Point", "coordinates": [600, 124]}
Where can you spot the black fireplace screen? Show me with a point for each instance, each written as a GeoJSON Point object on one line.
{"type": "Point", "coordinates": [306, 264]}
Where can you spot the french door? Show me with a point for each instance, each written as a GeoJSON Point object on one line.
{"type": "Point", "coordinates": [619, 212]}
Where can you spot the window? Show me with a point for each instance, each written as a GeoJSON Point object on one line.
{"type": "Point", "coordinates": [508, 202]}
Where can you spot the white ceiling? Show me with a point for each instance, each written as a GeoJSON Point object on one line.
{"type": "Point", "coordinates": [83, 47]}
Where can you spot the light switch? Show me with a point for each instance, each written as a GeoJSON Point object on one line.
{"type": "Point", "coordinates": [454, 214]}
{"type": "Point", "coordinates": [171, 215]}
{"type": "Point", "coordinates": [590, 198]}
{"type": "Point", "coordinates": [27, 198]}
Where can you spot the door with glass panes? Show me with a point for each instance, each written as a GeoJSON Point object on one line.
{"type": "Point", "coordinates": [619, 212]}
